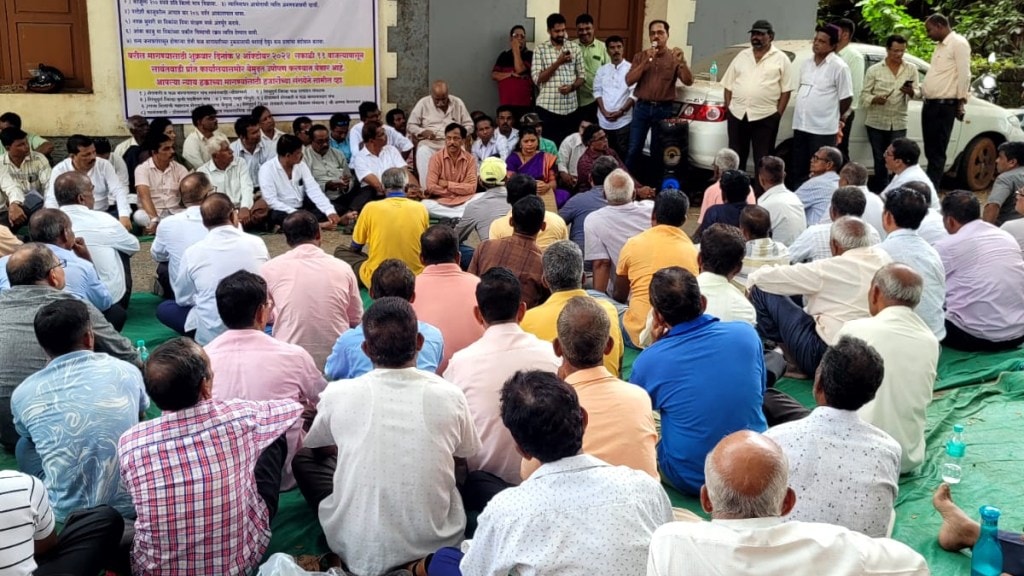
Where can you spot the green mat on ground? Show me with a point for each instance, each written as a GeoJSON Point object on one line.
{"type": "Point", "coordinates": [993, 415]}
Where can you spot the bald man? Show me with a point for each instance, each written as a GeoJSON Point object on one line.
{"type": "Point", "coordinates": [747, 494]}
{"type": "Point", "coordinates": [179, 231]}
{"type": "Point", "coordinates": [910, 351]}
{"type": "Point", "coordinates": [428, 119]}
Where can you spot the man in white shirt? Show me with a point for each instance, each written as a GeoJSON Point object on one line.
{"type": "Point", "coordinates": [109, 195]}
{"type": "Point", "coordinates": [176, 233]}
{"type": "Point", "coordinates": [747, 495]}
{"type": "Point", "coordinates": [614, 96]}
{"type": "Point", "coordinates": [855, 174]}
{"type": "Point", "coordinates": [379, 461]}
{"type": "Point", "coordinates": [825, 94]}
{"type": "Point", "coordinates": [788, 218]}
{"type": "Point", "coordinates": [905, 210]}
{"type": "Point", "coordinates": [428, 119]}
{"type": "Point", "coordinates": [287, 185]}
{"type": "Point", "coordinates": [901, 159]}
{"type": "Point", "coordinates": [225, 249]}
{"type": "Point", "coordinates": [814, 243]}
{"type": "Point", "coordinates": [370, 162]}
{"type": "Point", "coordinates": [910, 353]}
{"type": "Point", "coordinates": [370, 112]}
{"type": "Point", "coordinates": [932, 229]}
{"type": "Point", "coordinates": [835, 291]}
{"type": "Point", "coordinates": [506, 125]}
{"type": "Point", "coordinates": [606, 230]}
{"type": "Point", "coordinates": [23, 171]}
{"type": "Point", "coordinates": [231, 175]}
{"type": "Point", "coordinates": [194, 150]}
{"type": "Point", "coordinates": [757, 86]}
{"type": "Point", "coordinates": [488, 143]}
{"type": "Point", "coordinates": [110, 244]}
{"type": "Point", "coordinates": [569, 153]}
{"type": "Point", "coordinates": [481, 369]}
{"type": "Point", "coordinates": [250, 147]}
{"type": "Point", "coordinates": [845, 470]}
{"type": "Point", "coordinates": [722, 249]}
{"type": "Point", "coordinates": [576, 515]}
{"type": "Point", "coordinates": [945, 90]}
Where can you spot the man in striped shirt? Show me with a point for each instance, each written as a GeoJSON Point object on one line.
{"type": "Point", "coordinates": [30, 545]}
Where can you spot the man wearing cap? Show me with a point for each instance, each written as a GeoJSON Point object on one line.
{"type": "Point", "coordinates": [487, 206]}
{"type": "Point", "coordinates": [757, 89]}
{"type": "Point", "coordinates": [654, 72]}
{"type": "Point", "coordinates": [825, 94]}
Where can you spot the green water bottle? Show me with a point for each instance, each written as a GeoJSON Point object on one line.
{"type": "Point", "coordinates": [987, 555]}
{"type": "Point", "coordinates": [140, 345]}
{"type": "Point", "coordinates": [714, 71]}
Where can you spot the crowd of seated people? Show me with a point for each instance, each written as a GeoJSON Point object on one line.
{"type": "Point", "coordinates": [511, 264]}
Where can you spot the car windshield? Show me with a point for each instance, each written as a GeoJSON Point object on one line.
{"type": "Point", "coordinates": [723, 59]}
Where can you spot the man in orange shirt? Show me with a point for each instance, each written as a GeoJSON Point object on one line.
{"type": "Point", "coordinates": [451, 176]}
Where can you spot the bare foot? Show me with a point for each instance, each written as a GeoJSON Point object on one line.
{"type": "Point", "coordinates": [958, 530]}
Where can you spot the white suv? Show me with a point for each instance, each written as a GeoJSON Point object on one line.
{"type": "Point", "coordinates": [972, 146]}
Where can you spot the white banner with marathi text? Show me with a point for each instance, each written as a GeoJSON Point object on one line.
{"type": "Point", "coordinates": [298, 58]}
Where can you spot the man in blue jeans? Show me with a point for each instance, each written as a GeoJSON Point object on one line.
{"type": "Point", "coordinates": [654, 73]}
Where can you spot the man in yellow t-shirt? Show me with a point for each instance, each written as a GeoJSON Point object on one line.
{"type": "Point", "coordinates": [388, 228]}
{"type": "Point", "coordinates": [664, 245]}
{"type": "Point", "coordinates": [563, 275]}
{"type": "Point", "coordinates": [519, 186]}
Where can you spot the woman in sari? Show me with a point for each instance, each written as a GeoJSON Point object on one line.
{"type": "Point", "coordinates": [542, 166]}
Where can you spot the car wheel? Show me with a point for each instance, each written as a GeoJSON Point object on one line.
{"type": "Point", "coordinates": [978, 164]}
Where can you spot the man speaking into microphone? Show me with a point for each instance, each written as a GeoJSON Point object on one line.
{"type": "Point", "coordinates": [654, 73]}
{"type": "Point", "coordinates": [558, 73]}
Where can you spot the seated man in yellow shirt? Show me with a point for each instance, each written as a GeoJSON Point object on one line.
{"type": "Point", "coordinates": [519, 186]}
{"type": "Point", "coordinates": [563, 275]}
{"type": "Point", "coordinates": [664, 245]}
{"type": "Point", "coordinates": [387, 228]}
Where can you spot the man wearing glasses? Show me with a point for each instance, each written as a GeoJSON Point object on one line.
{"type": "Point", "coordinates": [428, 121]}
{"type": "Point", "coordinates": [816, 192]}
{"type": "Point", "coordinates": [512, 73]}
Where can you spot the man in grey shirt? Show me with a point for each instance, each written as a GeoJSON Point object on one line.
{"type": "Point", "coordinates": [1001, 205]}
{"type": "Point", "coordinates": [37, 278]}
{"type": "Point", "coordinates": [490, 204]}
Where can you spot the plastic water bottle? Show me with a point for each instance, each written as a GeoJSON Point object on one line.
{"type": "Point", "coordinates": [955, 449]}
{"type": "Point", "coordinates": [140, 345]}
{"type": "Point", "coordinates": [987, 555]}
{"type": "Point", "coordinates": [714, 71]}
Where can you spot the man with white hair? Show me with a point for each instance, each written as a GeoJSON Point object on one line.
{"type": "Point", "coordinates": [606, 231]}
{"type": "Point", "coordinates": [835, 291]}
{"type": "Point", "coordinates": [725, 159]}
{"type": "Point", "coordinates": [576, 211]}
{"type": "Point", "coordinates": [231, 176]}
{"type": "Point", "coordinates": [747, 495]}
{"type": "Point", "coordinates": [855, 174]}
{"type": "Point", "coordinates": [428, 120]}
{"type": "Point", "coordinates": [846, 471]}
{"type": "Point", "coordinates": [911, 355]}
{"type": "Point", "coordinates": [813, 243]}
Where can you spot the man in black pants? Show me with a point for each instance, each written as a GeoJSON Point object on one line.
{"type": "Point", "coordinates": [88, 543]}
{"type": "Point", "coordinates": [945, 91]}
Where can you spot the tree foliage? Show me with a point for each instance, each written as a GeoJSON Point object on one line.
{"type": "Point", "coordinates": [885, 17]}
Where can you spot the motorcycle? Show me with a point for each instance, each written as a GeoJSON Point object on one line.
{"type": "Point", "coordinates": [986, 86]}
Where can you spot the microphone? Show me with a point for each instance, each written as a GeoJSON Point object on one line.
{"type": "Point", "coordinates": [654, 44]}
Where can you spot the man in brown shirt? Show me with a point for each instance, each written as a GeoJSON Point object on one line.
{"type": "Point", "coordinates": [518, 252]}
{"type": "Point", "coordinates": [451, 176]}
{"type": "Point", "coordinates": [654, 73]}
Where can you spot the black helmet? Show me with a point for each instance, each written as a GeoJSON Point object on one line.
{"type": "Point", "coordinates": [49, 80]}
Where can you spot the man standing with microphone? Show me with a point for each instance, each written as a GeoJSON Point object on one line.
{"type": "Point", "coordinates": [558, 73]}
{"type": "Point", "coordinates": [654, 73]}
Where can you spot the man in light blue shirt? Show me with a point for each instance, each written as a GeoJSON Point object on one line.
{"type": "Point", "coordinates": [706, 377]}
{"type": "Point", "coordinates": [816, 193]}
{"type": "Point", "coordinates": [348, 360]}
{"type": "Point", "coordinates": [52, 227]}
{"type": "Point", "coordinates": [905, 208]}
{"type": "Point", "coordinates": [71, 413]}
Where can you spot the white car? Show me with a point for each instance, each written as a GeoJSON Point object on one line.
{"type": "Point", "coordinates": [972, 146]}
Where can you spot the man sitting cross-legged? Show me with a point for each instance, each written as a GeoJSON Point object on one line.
{"type": "Point", "coordinates": [718, 389]}
{"type": "Point", "coordinates": [70, 414]}
{"type": "Point", "coordinates": [380, 459]}
{"type": "Point", "coordinates": [835, 291]}
{"type": "Point", "coordinates": [845, 470]}
{"type": "Point", "coordinates": [348, 358]}
{"type": "Point", "coordinates": [519, 252]}
{"type": "Point", "coordinates": [199, 452]}
{"type": "Point", "coordinates": [620, 429]}
{"type": "Point", "coordinates": [481, 368]}
{"type": "Point", "coordinates": [747, 494]}
{"type": "Point", "coordinates": [577, 515]}
{"type": "Point", "coordinates": [249, 364]}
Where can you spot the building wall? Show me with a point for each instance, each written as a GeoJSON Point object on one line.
{"type": "Point", "coordinates": [726, 22]}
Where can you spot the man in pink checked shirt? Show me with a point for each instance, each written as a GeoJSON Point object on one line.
{"type": "Point", "coordinates": [205, 476]}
